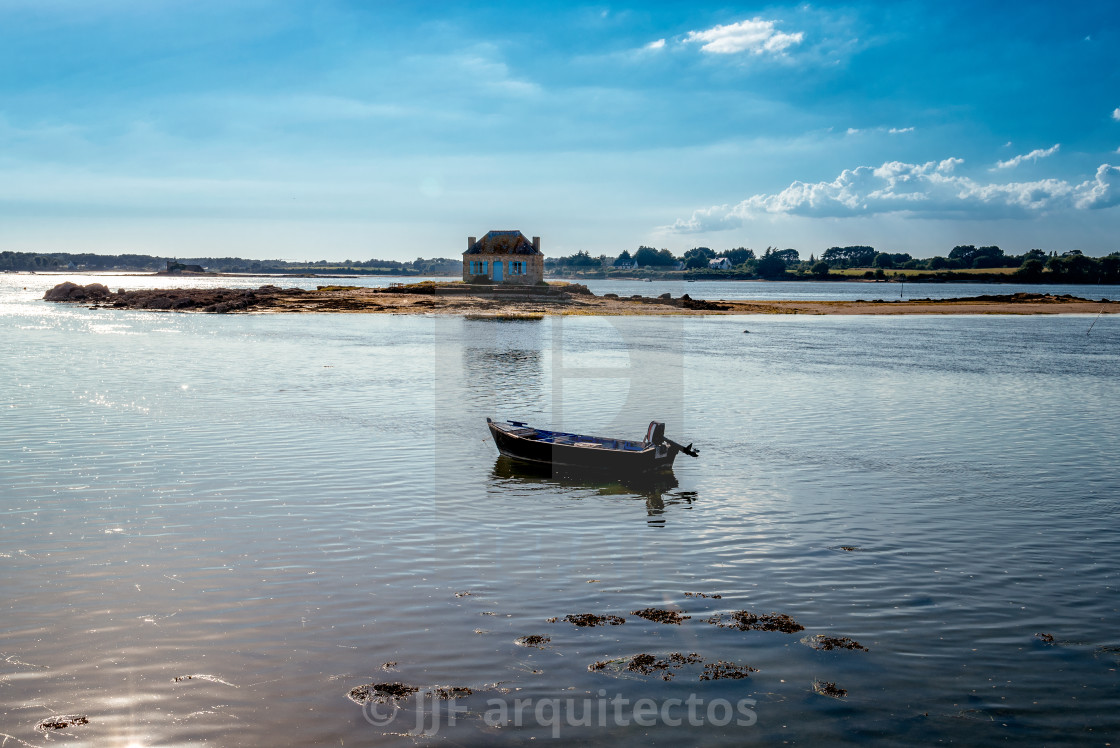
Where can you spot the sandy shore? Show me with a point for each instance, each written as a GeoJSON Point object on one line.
{"type": "Point", "coordinates": [503, 303]}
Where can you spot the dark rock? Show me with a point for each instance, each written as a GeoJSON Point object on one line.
{"type": "Point", "coordinates": [702, 305]}
{"type": "Point", "coordinates": [73, 292]}
{"type": "Point", "coordinates": [61, 292]}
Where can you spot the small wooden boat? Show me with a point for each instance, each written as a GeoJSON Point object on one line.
{"type": "Point", "coordinates": [582, 452]}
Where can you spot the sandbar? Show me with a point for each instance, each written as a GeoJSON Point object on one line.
{"type": "Point", "coordinates": [500, 303]}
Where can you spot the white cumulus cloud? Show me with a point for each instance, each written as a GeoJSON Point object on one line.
{"type": "Point", "coordinates": [756, 36]}
{"type": "Point", "coordinates": [1034, 155]}
{"type": "Point", "coordinates": [659, 44]}
{"type": "Point", "coordinates": [1116, 114]}
{"type": "Point", "coordinates": [932, 190]}
{"type": "Point", "coordinates": [1101, 192]}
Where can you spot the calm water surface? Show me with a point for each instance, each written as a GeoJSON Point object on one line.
{"type": "Point", "coordinates": [32, 287]}
{"type": "Point", "coordinates": [286, 503]}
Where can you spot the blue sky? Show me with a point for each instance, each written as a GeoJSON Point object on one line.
{"type": "Point", "coordinates": [334, 130]}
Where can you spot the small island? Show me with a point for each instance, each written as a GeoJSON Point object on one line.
{"type": "Point", "coordinates": [499, 302]}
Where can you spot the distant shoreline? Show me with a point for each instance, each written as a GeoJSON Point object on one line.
{"type": "Point", "coordinates": [506, 303]}
{"type": "Point", "coordinates": [945, 277]}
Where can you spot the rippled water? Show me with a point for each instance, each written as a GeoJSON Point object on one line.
{"type": "Point", "coordinates": [287, 503]}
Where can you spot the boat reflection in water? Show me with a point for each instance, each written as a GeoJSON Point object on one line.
{"type": "Point", "coordinates": [657, 489]}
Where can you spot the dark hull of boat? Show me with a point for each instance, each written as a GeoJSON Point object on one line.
{"type": "Point", "coordinates": [588, 457]}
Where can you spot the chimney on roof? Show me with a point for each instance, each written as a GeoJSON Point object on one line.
{"type": "Point", "coordinates": [470, 242]}
{"type": "Point", "coordinates": [537, 243]}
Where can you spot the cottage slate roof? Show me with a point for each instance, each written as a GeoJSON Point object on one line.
{"type": "Point", "coordinates": [503, 243]}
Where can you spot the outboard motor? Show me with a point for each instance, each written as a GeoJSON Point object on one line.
{"type": "Point", "coordinates": [655, 434]}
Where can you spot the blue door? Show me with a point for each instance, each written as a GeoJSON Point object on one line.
{"type": "Point", "coordinates": [497, 271]}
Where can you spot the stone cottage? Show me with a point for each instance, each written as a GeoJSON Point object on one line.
{"type": "Point", "coordinates": [504, 257]}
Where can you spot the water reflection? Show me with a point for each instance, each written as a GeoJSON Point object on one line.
{"type": "Point", "coordinates": [498, 370]}
{"type": "Point", "coordinates": [656, 489]}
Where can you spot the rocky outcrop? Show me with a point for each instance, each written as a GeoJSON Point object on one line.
{"type": "Point", "coordinates": [73, 292]}
{"type": "Point", "coordinates": [212, 300]}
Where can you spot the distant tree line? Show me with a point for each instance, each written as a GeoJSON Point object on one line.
{"type": "Point", "coordinates": [55, 261]}
{"type": "Point", "coordinates": [1071, 266]}
{"type": "Point", "coordinates": [1035, 265]}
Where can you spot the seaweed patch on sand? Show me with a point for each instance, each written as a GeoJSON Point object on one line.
{"type": "Point", "coordinates": [533, 640]}
{"type": "Point", "coordinates": [380, 693]}
{"type": "Point", "coordinates": [721, 670]}
{"type": "Point", "coordinates": [205, 677]}
{"type": "Point", "coordinates": [828, 688]}
{"type": "Point", "coordinates": [647, 664]}
{"type": "Point", "coordinates": [447, 693]}
{"type": "Point", "coordinates": [746, 621]}
{"type": "Point", "coordinates": [590, 619]}
{"type": "Point", "coordinates": [825, 643]}
{"type": "Point", "coordinates": [659, 615]}
{"type": "Point", "coordinates": [61, 722]}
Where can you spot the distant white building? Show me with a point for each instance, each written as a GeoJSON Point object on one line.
{"type": "Point", "coordinates": [719, 263]}
{"type": "Point", "coordinates": [626, 264]}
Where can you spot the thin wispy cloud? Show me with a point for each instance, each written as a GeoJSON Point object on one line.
{"type": "Point", "coordinates": [888, 130]}
{"type": "Point", "coordinates": [930, 190]}
{"type": "Point", "coordinates": [1034, 155]}
{"type": "Point", "coordinates": [659, 44]}
{"type": "Point", "coordinates": [756, 36]}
